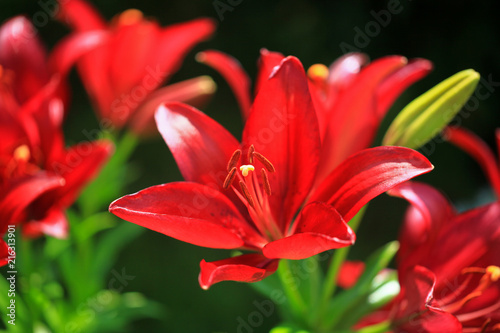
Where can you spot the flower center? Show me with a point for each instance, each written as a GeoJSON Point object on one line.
{"type": "Point", "coordinates": [466, 291]}
{"type": "Point", "coordinates": [18, 164]}
{"type": "Point", "coordinates": [254, 191]}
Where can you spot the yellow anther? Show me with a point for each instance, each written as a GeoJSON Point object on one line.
{"type": "Point", "coordinates": [245, 169]}
{"type": "Point", "coordinates": [130, 16]}
{"type": "Point", "coordinates": [22, 153]}
{"type": "Point", "coordinates": [318, 72]}
{"type": "Point", "coordinates": [494, 272]}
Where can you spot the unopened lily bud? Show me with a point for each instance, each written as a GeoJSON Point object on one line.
{"type": "Point", "coordinates": [428, 114]}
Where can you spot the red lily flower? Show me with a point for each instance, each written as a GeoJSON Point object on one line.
{"type": "Point", "coordinates": [39, 178]}
{"type": "Point", "coordinates": [351, 97]}
{"type": "Point", "coordinates": [448, 263]}
{"type": "Point", "coordinates": [138, 57]}
{"type": "Point", "coordinates": [261, 200]}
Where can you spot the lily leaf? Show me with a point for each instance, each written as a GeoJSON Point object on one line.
{"type": "Point", "coordinates": [288, 328]}
{"type": "Point", "coordinates": [429, 113]}
{"type": "Point", "coordinates": [345, 302]}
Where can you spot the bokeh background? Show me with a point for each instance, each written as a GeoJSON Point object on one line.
{"type": "Point", "coordinates": [454, 35]}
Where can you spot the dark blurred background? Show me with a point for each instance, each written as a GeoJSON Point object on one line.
{"type": "Point", "coordinates": [454, 35]}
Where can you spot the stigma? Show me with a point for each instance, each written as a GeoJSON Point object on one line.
{"type": "Point", "coordinates": [245, 169]}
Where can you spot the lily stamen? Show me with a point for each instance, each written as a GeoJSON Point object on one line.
{"type": "Point", "coordinates": [265, 181]}
{"type": "Point", "coordinates": [229, 178]}
{"type": "Point", "coordinates": [246, 193]}
{"type": "Point", "coordinates": [233, 160]}
{"type": "Point", "coordinates": [267, 164]}
{"type": "Point", "coordinates": [252, 191]}
{"type": "Point", "coordinates": [251, 150]}
{"type": "Point", "coordinates": [491, 274]}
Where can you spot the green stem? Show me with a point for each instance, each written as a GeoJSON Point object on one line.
{"type": "Point", "coordinates": [382, 327]}
{"type": "Point", "coordinates": [339, 256]}
{"type": "Point", "coordinates": [290, 287]}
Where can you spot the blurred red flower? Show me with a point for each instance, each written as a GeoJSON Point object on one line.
{"type": "Point", "coordinates": [138, 57]}
{"type": "Point", "coordinates": [39, 177]}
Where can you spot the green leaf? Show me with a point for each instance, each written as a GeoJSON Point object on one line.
{"type": "Point", "coordinates": [110, 245]}
{"type": "Point", "coordinates": [347, 301]}
{"type": "Point", "coordinates": [288, 328]}
{"type": "Point", "coordinates": [111, 180]}
{"type": "Point", "coordinates": [429, 113]}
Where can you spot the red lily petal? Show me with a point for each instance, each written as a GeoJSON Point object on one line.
{"type": "Point", "coordinates": [41, 117]}
{"type": "Point", "coordinates": [145, 36]}
{"type": "Point", "coordinates": [320, 228]}
{"type": "Point", "coordinates": [244, 268]}
{"type": "Point", "coordinates": [190, 212]}
{"type": "Point", "coordinates": [342, 73]}
{"type": "Point", "coordinates": [344, 70]}
{"type": "Point", "coordinates": [157, 54]}
{"type": "Point", "coordinates": [53, 224]}
{"type": "Point", "coordinates": [283, 127]}
{"type": "Point", "coordinates": [419, 289]}
{"type": "Point", "coordinates": [69, 50]}
{"type": "Point", "coordinates": [201, 147]}
{"type": "Point", "coordinates": [429, 212]}
{"type": "Point", "coordinates": [479, 150]}
{"type": "Point", "coordinates": [194, 92]}
{"type": "Point", "coordinates": [463, 241]}
{"type": "Point", "coordinates": [80, 15]}
{"type": "Point", "coordinates": [79, 165]}
{"type": "Point", "coordinates": [356, 125]}
{"type": "Point", "coordinates": [19, 196]}
{"type": "Point", "coordinates": [234, 74]}
{"type": "Point", "coordinates": [177, 39]}
{"type": "Point", "coordinates": [349, 273]}
{"type": "Point", "coordinates": [268, 63]}
{"type": "Point", "coordinates": [4, 253]}
{"type": "Point", "coordinates": [367, 174]}
{"type": "Point", "coordinates": [22, 52]}
{"type": "Point", "coordinates": [94, 73]}
{"type": "Point", "coordinates": [398, 81]}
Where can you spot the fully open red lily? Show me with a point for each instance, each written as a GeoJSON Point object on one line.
{"type": "Point", "coordinates": [448, 264]}
{"type": "Point", "coordinates": [257, 195]}
{"type": "Point", "coordinates": [138, 57]}
{"type": "Point", "coordinates": [39, 178]}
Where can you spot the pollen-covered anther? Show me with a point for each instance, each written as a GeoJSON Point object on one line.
{"type": "Point", "coordinates": [130, 17]}
{"type": "Point", "coordinates": [22, 153]}
{"type": "Point", "coordinates": [265, 181]}
{"type": "Point", "coordinates": [245, 169]}
{"type": "Point", "coordinates": [246, 193]}
{"type": "Point", "coordinates": [493, 272]}
{"type": "Point", "coordinates": [318, 72]}
{"type": "Point", "coordinates": [229, 178]}
{"type": "Point", "coordinates": [267, 164]}
{"type": "Point", "coordinates": [251, 151]}
{"type": "Point", "coordinates": [233, 160]}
